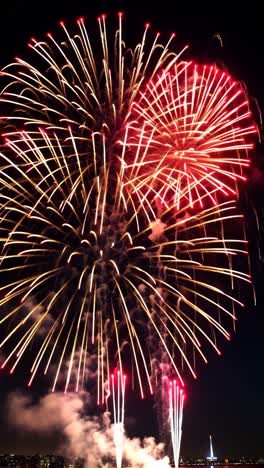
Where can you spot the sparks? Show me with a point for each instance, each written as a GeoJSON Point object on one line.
{"type": "Point", "coordinates": [118, 386]}
{"type": "Point", "coordinates": [191, 128]}
{"type": "Point", "coordinates": [176, 400]}
{"type": "Point", "coordinates": [118, 196]}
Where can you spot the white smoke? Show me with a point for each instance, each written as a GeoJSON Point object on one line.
{"type": "Point", "coordinates": [34, 313]}
{"type": "Point", "coordinates": [157, 228]}
{"type": "Point", "coordinates": [88, 437]}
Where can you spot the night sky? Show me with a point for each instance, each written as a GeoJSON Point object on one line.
{"type": "Point", "coordinates": [227, 399]}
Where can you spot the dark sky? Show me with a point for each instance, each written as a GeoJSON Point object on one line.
{"type": "Point", "coordinates": [227, 400]}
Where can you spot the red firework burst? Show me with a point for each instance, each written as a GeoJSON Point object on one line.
{"type": "Point", "coordinates": [191, 130]}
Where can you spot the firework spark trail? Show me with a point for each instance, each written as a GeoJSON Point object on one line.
{"type": "Point", "coordinates": [192, 128]}
{"type": "Point", "coordinates": [118, 399]}
{"type": "Point", "coordinates": [100, 255]}
{"type": "Point", "coordinates": [99, 225]}
{"type": "Point", "coordinates": [191, 131]}
{"type": "Point", "coordinates": [76, 83]}
{"type": "Point", "coordinates": [176, 400]}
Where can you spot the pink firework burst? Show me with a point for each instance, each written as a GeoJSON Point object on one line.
{"type": "Point", "coordinates": [192, 129]}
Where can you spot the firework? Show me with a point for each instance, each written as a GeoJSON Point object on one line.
{"type": "Point", "coordinates": [108, 244]}
{"type": "Point", "coordinates": [78, 83]}
{"type": "Point", "coordinates": [100, 268]}
{"type": "Point", "coordinates": [190, 134]}
{"type": "Point", "coordinates": [189, 125]}
{"type": "Point", "coordinates": [118, 398]}
{"type": "Point", "coordinates": [176, 400]}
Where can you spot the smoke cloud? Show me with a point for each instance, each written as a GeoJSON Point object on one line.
{"type": "Point", "coordinates": [89, 437]}
{"type": "Point", "coordinates": [157, 228]}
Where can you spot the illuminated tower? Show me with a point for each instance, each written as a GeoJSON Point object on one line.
{"type": "Point", "coordinates": [211, 457]}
